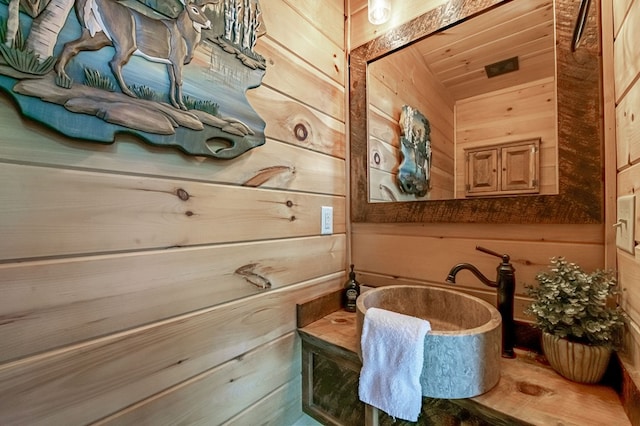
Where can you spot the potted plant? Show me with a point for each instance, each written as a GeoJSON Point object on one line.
{"type": "Point", "coordinates": [579, 326]}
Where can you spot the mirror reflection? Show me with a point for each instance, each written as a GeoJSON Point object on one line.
{"type": "Point", "coordinates": [487, 90]}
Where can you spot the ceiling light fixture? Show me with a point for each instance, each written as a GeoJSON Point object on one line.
{"type": "Point", "coordinates": [379, 11]}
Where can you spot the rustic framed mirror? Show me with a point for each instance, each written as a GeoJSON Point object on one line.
{"type": "Point", "coordinates": [579, 195]}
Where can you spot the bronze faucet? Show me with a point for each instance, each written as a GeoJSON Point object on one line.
{"type": "Point", "coordinates": [506, 285]}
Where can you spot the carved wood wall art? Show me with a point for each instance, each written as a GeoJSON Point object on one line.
{"type": "Point", "coordinates": [172, 73]}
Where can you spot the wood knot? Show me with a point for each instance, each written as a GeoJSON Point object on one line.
{"type": "Point", "coordinates": [301, 132]}
{"type": "Point", "coordinates": [251, 275]}
{"type": "Point", "coordinates": [182, 194]}
{"type": "Point", "coordinates": [289, 203]}
{"type": "Point", "coordinates": [531, 389]}
{"type": "Point", "coordinates": [376, 158]}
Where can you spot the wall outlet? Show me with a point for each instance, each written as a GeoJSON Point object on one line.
{"type": "Point", "coordinates": [625, 224]}
{"type": "Point", "coordinates": [326, 226]}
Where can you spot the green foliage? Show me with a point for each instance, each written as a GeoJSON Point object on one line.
{"type": "Point", "coordinates": [26, 60]}
{"type": "Point", "coordinates": [145, 92]}
{"type": "Point", "coordinates": [64, 81]}
{"type": "Point", "coordinates": [94, 78]}
{"type": "Point", "coordinates": [19, 57]}
{"type": "Point", "coordinates": [573, 304]}
{"type": "Point", "coordinates": [201, 105]}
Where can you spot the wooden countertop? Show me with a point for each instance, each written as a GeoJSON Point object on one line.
{"type": "Point", "coordinates": [529, 390]}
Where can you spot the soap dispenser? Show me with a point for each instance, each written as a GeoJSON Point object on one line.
{"type": "Point", "coordinates": [351, 292]}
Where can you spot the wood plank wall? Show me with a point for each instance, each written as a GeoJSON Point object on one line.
{"type": "Point", "coordinates": [123, 303]}
{"type": "Point", "coordinates": [624, 24]}
{"type": "Point", "coordinates": [520, 112]}
{"type": "Point", "coordinates": [423, 253]}
{"type": "Point", "coordinates": [394, 81]}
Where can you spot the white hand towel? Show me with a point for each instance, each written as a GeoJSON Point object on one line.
{"type": "Point", "coordinates": [392, 359]}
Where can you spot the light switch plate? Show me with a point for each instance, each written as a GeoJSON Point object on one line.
{"type": "Point", "coordinates": [625, 224]}
{"type": "Point", "coordinates": [326, 225]}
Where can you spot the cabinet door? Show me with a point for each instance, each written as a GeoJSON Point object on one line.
{"type": "Point", "coordinates": [503, 169]}
{"type": "Point", "coordinates": [520, 164]}
{"type": "Point", "coordinates": [330, 378]}
{"type": "Point", "coordinates": [482, 172]}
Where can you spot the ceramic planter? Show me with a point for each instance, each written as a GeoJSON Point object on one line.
{"type": "Point", "coordinates": [575, 361]}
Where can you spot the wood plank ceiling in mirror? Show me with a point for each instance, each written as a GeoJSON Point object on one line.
{"type": "Point", "coordinates": [445, 76]}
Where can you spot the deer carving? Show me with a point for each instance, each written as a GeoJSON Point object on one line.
{"type": "Point", "coordinates": [169, 41]}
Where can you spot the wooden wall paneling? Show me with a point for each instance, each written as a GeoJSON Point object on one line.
{"type": "Point", "coordinates": [293, 76]}
{"type": "Point", "coordinates": [626, 58]}
{"type": "Point", "coordinates": [497, 130]}
{"type": "Point", "coordinates": [362, 31]}
{"type": "Point", "coordinates": [53, 303]}
{"type": "Point", "coordinates": [620, 10]}
{"type": "Point", "coordinates": [145, 266]}
{"type": "Point", "coordinates": [388, 255]}
{"type": "Point", "coordinates": [522, 101]}
{"type": "Point", "coordinates": [627, 128]}
{"type": "Point", "coordinates": [327, 17]}
{"type": "Point", "coordinates": [626, 68]}
{"type": "Point", "coordinates": [68, 212]}
{"type": "Point", "coordinates": [524, 112]}
{"type": "Point", "coordinates": [293, 122]}
{"type": "Point", "coordinates": [301, 37]}
{"type": "Point", "coordinates": [356, 5]}
{"type": "Point", "coordinates": [246, 379]}
{"type": "Point", "coordinates": [89, 381]}
{"type": "Point", "coordinates": [631, 352]}
{"type": "Point", "coordinates": [622, 66]}
{"type": "Point", "coordinates": [629, 183]}
{"type": "Point", "coordinates": [281, 407]}
{"type": "Point", "coordinates": [410, 256]}
{"type": "Point", "coordinates": [36, 144]}
{"type": "Point", "coordinates": [382, 155]}
{"type": "Point", "coordinates": [629, 276]}
{"type": "Point", "coordinates": [383, 127]}
{"type": "Point", "coordinates": [578, 234]}
{"type": "Point", "coordinates": [407, 80]}
{"type": "Point", "coordinates": [609, 133]}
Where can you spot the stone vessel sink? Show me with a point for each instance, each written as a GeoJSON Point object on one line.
{"type": "Point", "coordinates": [462, 351]}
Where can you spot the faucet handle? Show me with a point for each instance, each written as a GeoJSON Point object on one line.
{"type": "Point", "coordinates": [505, 257]}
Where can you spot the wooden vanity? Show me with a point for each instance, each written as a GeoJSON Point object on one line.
{"type": "Point", "coordinates": [529, 391]}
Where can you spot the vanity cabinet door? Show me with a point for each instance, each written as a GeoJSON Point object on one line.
{"type": "Point", "coordinates": [330, 377]}
{"type": "Point", "coordinates": [330, 385]}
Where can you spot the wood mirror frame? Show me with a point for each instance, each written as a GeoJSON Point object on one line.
{"type": "Point", "coordinates": [581, 185]}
